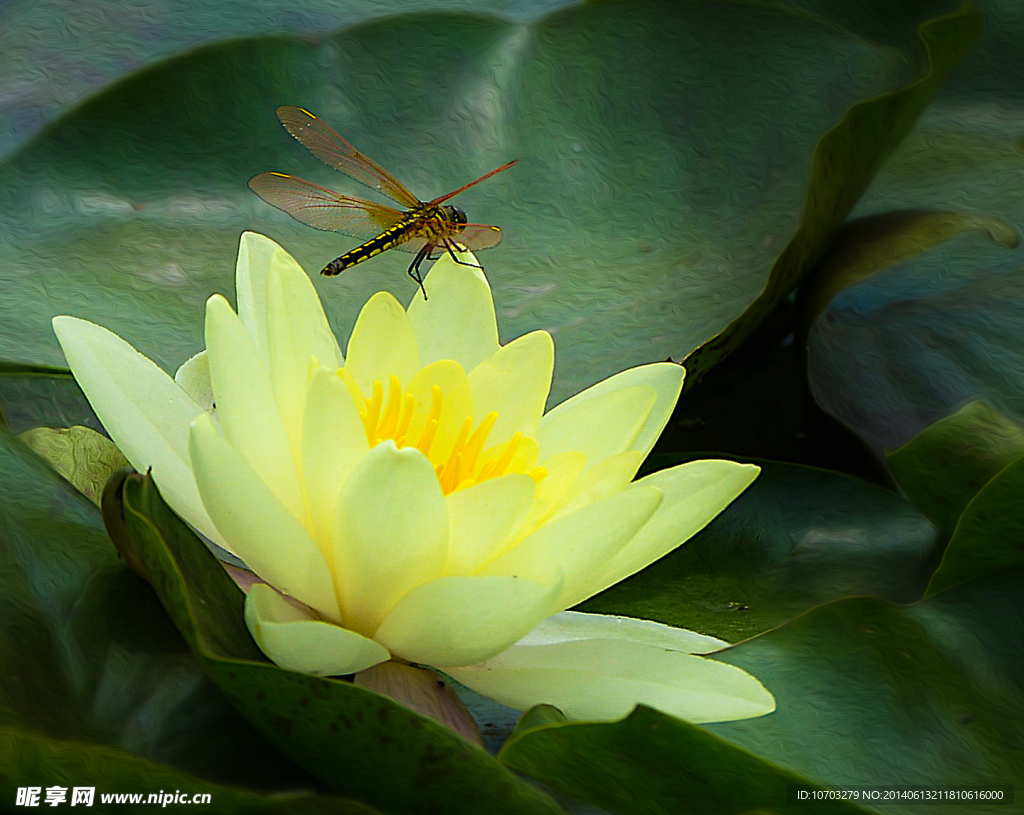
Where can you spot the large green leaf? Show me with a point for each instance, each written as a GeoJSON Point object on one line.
{"type": "Point", "coordinates": [795, 538]}
{"type": "Point", "coordinates": [944, 466]}
{"type": "Point", "coordinates": [869, 694]}
{"type": "Point", "coordinates": [990, 533]}
{"type": "Point", "coordinates": [842, 170]}
{"type": "Point", "coordinates": [665, 155]}
{"type": "Point", "coordinates": [876, 695]}
{"type": "Point", "coordinates": [58, 51]}
{"type": "Point", "coordinates": [97, 687]}
{"type": "Point", "coordinates": [357, 742]}
{"type": "Point", "coordinates": [653, 764]}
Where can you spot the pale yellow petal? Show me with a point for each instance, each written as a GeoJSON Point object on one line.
{"type": "Point", "coordinates": [600, 426]}
{"type": "Point", "coordinates": [483, 518]}
{"type": "Point", "coordinates": [194, 378]}
{"type": "Point", "coordinates": [257, 527]}
{"type": "Point", "coordinates": [515, 382]}
{"type": "Point", "coordinates": [145, 412]}
{"type": "Point", "coordinates": [251, 268]}
{"type": "Point", "coordinates": [392, 533]}
{"type": "Point", "coordinates": [555, 488]}
{"type": "Point", "coordinates": [665, 377]}
{"type": "Point", "coordinates": [694, 494]}
{"type": "Point", "coordinates": [459, 620]}
{"type": "Point", "coordinates": [297, 640]}
{"type": "Point", "coordinates": [333, 441]}
{"type": "Point", "coordinates": [246, 406]}
{"type": "Point", "coordinates": [606, 478]}
{"type": "Point", "coordinates": [602, 675]}
{"type": "Point", "coordinates": [299, 340]}
{"type": "Point", "coordinates": [382, 344]}
{"type": "Point", "coordinates": [457, 320]}
{"type": "Point", "coordinates": [580, 544]}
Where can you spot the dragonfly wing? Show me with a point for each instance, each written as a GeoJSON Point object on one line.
{"type": "Point", "coordinates": [323, 142]}
{"type": "Point", "coordinates": [322, 208]}
{"type": "Point", "coordinates": [473, 236]}
{"type": "Point", "coordinates": [478, 236]}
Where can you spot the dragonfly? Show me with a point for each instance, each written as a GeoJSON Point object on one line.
{"type": "Point", "coordinates": [427, 229]}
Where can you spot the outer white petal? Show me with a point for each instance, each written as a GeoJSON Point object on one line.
{"type": "Point", "coordinates": [605, 668]}
{"type": "Point", "coordinates": [575, 625]}
{"type": "Point", "coordinates": [255, 524]}
{"type": "Point", "coordinates": [602, 426]}
{"type": "Point", "coordinates": [528, 362]}
{"type": "Point", "coordinates": [665, 377]}
{"type": "Point", "coordinates": [145, 412]}
{"type": "Point", "coordinates": [246, 406]}
{"type": "Point", "coordinates": [382, 344]}
{"type": "Point", "coordinates": [333, 441]}
{"type": "Point", "coordinates": [484, 517]}
{"type": "Point", "coordinates": [295, 639]}
{"type": "Point", "coordinates": [251, 267]}
{"type": "Point", "coordinates": [297, 332]}
{"type": "Point", "coordinates": [463, 620]}
{"type": "Point", "coordinates": [457, 321]}
{"type": "Point", "coordinates": [579, 544]}
{"type": "Point", "coordinates": [194, 378]}
{"type": "Point", "coordinates": [694, 494]}
{"type": "Point", "coordinates": [392, 533]}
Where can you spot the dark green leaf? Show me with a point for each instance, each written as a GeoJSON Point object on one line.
{"type": "Point", "coordinates": [868, 246]}
{"type": "Point", "coordinates": [872, 694]}
{"type": "Point", "coordinates": [945, 465]}
{"type": "Point", "coordinates": [654, 191]}
{"type": "Point", "coordinates": [29, 759]}
{"type": "Point", "coordinates": [846, 160]}
{"type": "Point", "coordinates": [357, 742]}
{"type": "Point", "coordinates": [653, 764]}
{"type": "Point", "coordinates": [990, 534]}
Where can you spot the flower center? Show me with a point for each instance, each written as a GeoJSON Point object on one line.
{"type": "Point", "coordinates": [468, 463]}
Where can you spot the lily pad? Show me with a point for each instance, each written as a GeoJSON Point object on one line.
{"type": "Point", "coordinates": [84, 457]}
{"type": "Point", "coordinates": [945, 465]}
{"type": "Point", "coordinates": [651, 763]}
{"type": "Point", "coordinates": [50, 67]}
{"type": "Point", "coordinates": [357, 742]}
{"type": "Point", "coordinates": [870, 695]}
{"type": "Point", "coordinates": [665, 155]}
{"type": "Point", "coordinates": [842, 170]}
{"type": "Point", "coordinates": [797, 537]}
{"type": "Point", "coordinates": [990, 532]}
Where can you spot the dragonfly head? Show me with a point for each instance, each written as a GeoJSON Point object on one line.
{"type": "Point", "coordinates": [455, 215]}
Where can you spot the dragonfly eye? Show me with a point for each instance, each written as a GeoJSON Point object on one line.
{"type": "Point", "coordinates": [455, 214]}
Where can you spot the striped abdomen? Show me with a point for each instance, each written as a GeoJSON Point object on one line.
{"type": "Point", "coordinates": [433, 225]}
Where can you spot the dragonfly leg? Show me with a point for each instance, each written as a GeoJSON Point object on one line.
{"type": "Point", "coordinates": [414, 268]}
{"type": "Point", "coordinates": [451, 246]}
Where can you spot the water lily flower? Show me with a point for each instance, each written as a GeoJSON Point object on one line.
{"type": "Point", "coordinates": [411, 499]}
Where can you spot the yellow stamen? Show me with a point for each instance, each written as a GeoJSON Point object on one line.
{"type": "Point", "coordinates": [373, 405]}
{"type": "Point", "coordinates": [403, 421]}
{"type": "Point", "coordinates": [389, 421]}
{"type": "Point", "coordinates": [466, 464]}
{"type": "Point", "coordinates": [475, 445]}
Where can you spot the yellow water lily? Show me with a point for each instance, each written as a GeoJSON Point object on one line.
{"type": "Point", "coordinates": [411, 499]}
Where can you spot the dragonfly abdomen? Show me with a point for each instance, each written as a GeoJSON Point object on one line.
{"type": "Point", "coordinates": [388, 239]}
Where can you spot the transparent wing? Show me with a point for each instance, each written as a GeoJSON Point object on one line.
{"type": "Point", "coordinates": [322, 208]}
{"type": "Point", "coordinates": [324, 143]}
{"type": "Point", "coordinates": [473, 236]}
